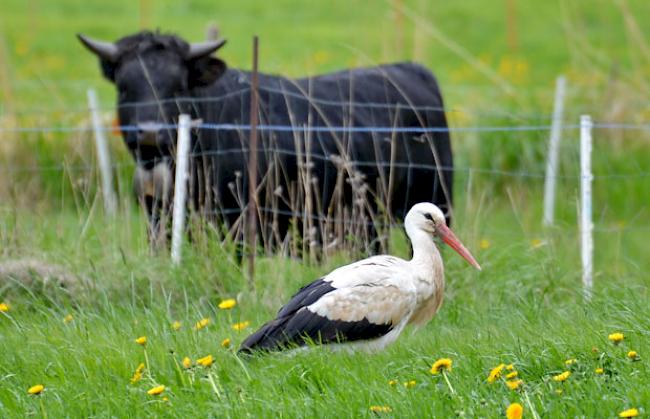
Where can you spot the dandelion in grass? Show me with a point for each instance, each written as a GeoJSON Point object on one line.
{"type": "Point", "coordinates": [599, 371]}
{"type": "Point", "coordinates": [512, 375]}
{"type": "Point", "coordinates": [35, 390]}
{"type": "Point", "coordinates": [68, 318]}
{"type": "Point", "coordinates": [137, 376]}
{"type": "Point", "coordinates": [441, 365]}
{"type": "Point", "coordinates": [514, 411]}
{"type": "Point", "coordinates": [225, 343]}
{"type": "Point", "coordinates": [165, 399]}
{"type": "Point", "coordinates": [510, 367]}
{"type": "Point", "coordinates": [633, 355]}
{"type": "Point", "coordinates": [206, 361]}
{"type": "Point", "coordinates": [227, 304]}
{"type": "Point", "coordinates": [514, 384]}
{"type": "Point", "coordinates": [616, 338]}
{"type": "Point", "coordinates": [629, 413]}
{"type": "Point", "coordinates": [381, 409]}
{"type": "Point", "coordinates": [4, 308]}
{"type": "Point", "coordinates": [187, 363]}
{"type": "Point", "coordinates": [484, 244]}
{"type": "Point", "coordinates": [562, 377]}
{"type": "Point", "coordinates": [495, 373]}
{"type": "Point", "coordinates": [392, 383]}
{"type": "Point", "coordinates": [570, 362]}
{"type": "Point", "coordinates": [155, 391]}
{"type": "Point", "coordinates": [537, 243]}
{"type": "Point", "coordinates": [142, 340]}
{"type": "Point", "coordinates": [176, 325]}
{"type": "Point", "coordinates": [241, 325]}
{"type": "Point", "coordinates": [202, 324]}
{"type": "Point", "coordinates": [410, 384]}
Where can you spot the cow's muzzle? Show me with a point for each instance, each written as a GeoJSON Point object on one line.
{"type": "Point", "coordinates": [149, 133]}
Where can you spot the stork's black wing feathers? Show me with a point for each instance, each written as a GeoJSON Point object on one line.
{"type": "Point", "coordinates": [305, 296]}
{"type": "Point", "coordinates": [296, 325]}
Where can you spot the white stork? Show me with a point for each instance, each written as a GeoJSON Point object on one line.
{"type": "Point", "coordinates": [368, 303]}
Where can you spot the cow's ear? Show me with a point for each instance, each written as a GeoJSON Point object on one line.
{"type": "Point", "coordinates": [204, 71]}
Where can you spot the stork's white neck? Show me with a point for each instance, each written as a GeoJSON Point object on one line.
{"type": "Point", "coordinates": [425, 251]}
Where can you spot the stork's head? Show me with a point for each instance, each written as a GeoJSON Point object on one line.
{"type": "Point", "coordinates": [429, 218]}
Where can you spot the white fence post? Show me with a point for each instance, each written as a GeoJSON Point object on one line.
{"type": "Point", "coordinates": [180, 186]}
{"type": "Point", "coordinates": [553, 149]}
{"type": "Point", "coordinates": [110, 201]}
{"type": "Point", "coordinates": [586, 225]}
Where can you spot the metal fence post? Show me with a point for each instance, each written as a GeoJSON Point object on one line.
{"type": "Point", "coordinates": [586, 224]}
{"type": "Point", "coordinates": [103, 155]}
{"type": "Point", "coordinates": [180, 186]}
{"type": "Point", "coordinates": [553, 149]}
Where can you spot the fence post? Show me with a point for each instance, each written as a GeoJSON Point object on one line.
{"type": "Point", "coordinates": [251, 231]}
{"type": "Point", "coordinates": [180, 186]}
{"type": "Point", "coordinates": [553, 149]}
{"type": "Point", "coordinates": [103, 155]}
{"type": "Point", "coordinates": [586, 225]}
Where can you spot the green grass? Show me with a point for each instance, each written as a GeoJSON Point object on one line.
{"type": "Point", "coordinates": [525, 308]}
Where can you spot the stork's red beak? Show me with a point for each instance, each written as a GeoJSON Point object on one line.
{"type": "Point", "coordinates": [450, 238]}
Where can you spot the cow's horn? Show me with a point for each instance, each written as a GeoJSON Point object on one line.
{"type": "Point", "coordinates": [201, 49]}
{"type": "Point", "coordinates": [105, 50]}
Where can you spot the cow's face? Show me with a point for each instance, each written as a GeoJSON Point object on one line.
{"type": "Point", "coordinates": [151, 72]}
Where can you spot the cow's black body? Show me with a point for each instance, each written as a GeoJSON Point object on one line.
{"type": "Point", "coordinates": [397, 95]}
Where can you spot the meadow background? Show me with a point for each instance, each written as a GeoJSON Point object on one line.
{"type": "Point", "coordinates": [496, 62]}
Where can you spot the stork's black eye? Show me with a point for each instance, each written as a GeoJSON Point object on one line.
{"type": "Point", "coordinates": [428, 216]}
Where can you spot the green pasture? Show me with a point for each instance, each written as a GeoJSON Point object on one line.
{"type": "Point", "coordinates": [496, 62]}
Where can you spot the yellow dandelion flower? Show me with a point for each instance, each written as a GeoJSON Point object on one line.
{"type": "Point", "coordinates": [228, 304]}
{"type": "Point", "coordinates": [140, 367]}
{"type": "Point", "coordinates": [156, 390]}
{"type": "Point", "coordinates": [632, 355]}
{"type": "Point", "coordinates": [514, 411]}
{"type": "Point", "coordinates": [495, 374]}
{"type": "Point", "coordinates": [165, 399]}
{"type": "Point", "coordinates": [599, 371]}
{"type": "Point", "coordinates": [37, 389]}
{"type": "Point", "coordinates": [514, 384]}
{"type": "Point", "coordinates": [187, 362]}
{"type": "Point", "coordinates": [392, 383]}
{"type": "Point", "coordinates": [225, 343]}
{"type": "Point", "coordinates": [176, 325]}
{"type": "Point", "coordinates": [629, 413]}
{"type": "Point", "coordinates": [202, 323]}
{"type": "Point", "coordinates": [68, 318]}
{"type": "Point", "coordinates": [206, 361]}
{"type": "Point", "coordinates": [410, 384]}
{"type": "Point", "coordinates": [570, 361]}
{"type": "Point", "coordinates": [241, 325]}
{"type": "Point", "coordinates": [484, 244]}
{"type": "Point", "coordinates": [616, 337]}
{"type": "Point", "coordinates": [537, 243]}
{"type": "Point", "coordinates": [381, 409]}
{"type": "Point", "coordinates": [142, 340]}
{"type": "Point", "coordinates": [137, 376]}
{"type": "Point", "coordinates": [441, 364]}
{"type": "Point", "coordinates": [512, 375]}
{"type": "Point", "coordinates": [510, 367]}
{"type": "Point", "coordinates": [562, 377]}
{"type": "Point", "coordinates": [4, 307]}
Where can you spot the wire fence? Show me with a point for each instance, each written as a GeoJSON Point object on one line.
{"type": "Point", "coordinates": [351, 219]}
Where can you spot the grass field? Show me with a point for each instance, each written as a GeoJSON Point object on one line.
{"type": "Point", "coordinates": [525, 308]}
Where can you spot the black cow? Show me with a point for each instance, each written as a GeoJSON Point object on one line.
{"type": "Point", "coordinates": [338, 174]}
